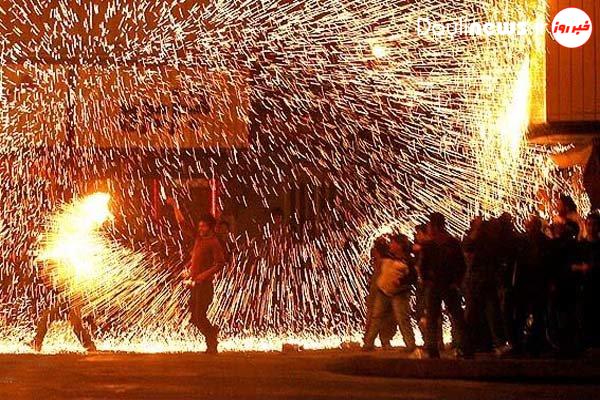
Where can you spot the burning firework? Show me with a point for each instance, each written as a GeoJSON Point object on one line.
{"type": "Point", "coordinates": [73, 248]}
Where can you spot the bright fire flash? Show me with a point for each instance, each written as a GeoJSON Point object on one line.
{"type": "Point", "coordinates": [74, 249]}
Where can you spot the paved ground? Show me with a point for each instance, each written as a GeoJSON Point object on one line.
{"type": "Point", "coordinates": [310, 375]}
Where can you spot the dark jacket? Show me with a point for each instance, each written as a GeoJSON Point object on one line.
{"type": "Point", "coordinates": [531, 277]}
{"type": "Point", "coordinates": [563, 254]}
{"type": "Point", "coordinates": [442, 263]}
{"type": "Point", "coordinates": [485, 252]}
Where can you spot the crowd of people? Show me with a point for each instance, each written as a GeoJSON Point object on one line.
{"type": "Point", "coordinates": [513, 293]}
{"type": "Point", "coordinates": [532, 293]}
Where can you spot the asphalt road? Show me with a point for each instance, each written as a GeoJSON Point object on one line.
{"type": "Point", "coordinates": [310, 375]}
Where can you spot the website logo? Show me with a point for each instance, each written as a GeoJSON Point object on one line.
{"type": "Point", "coordinates": [463, 27]}
{"type": "Point", "coordinates": [571, 27]}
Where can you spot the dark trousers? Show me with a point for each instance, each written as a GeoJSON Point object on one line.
{"type": "Point", "coordinates": [74, 316]}
{"type": "Point", "coordinates": [529, 333]}
{"type": "Point", "coordinates": [589, 305]}
{"type": "Point", "coordinates": [400, 304]}
{"type": "Point", "coordinates": [433, 303]}
{"type": "Point", "coordinates": [509, 311]}
{"type": "Point", "coordinates": [569, 333]}
{"type": "Point", "coordinates": [421, 314]}
{"type": "Point", "coordinates": [201, 297]}
{"type": "Point", "coordinates": [483, 301]}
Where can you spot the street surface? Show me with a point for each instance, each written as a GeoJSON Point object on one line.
{"type": "Point", "coordinates": [330, 374]}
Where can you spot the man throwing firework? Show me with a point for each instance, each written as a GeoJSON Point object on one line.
{"type": "Point", "coordinates": [71, 257]}
{"type": "Point", "coordinates": [208, 258]}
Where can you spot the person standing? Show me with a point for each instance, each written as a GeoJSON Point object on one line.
{"type": "Point", "coordinates": [387, 328]}
{"type": "Point", "coordinates": [506, 241]}
{"type": "Point", "coordinates": [420, 307]}
{"type": "Point", "coordinates": [531, 288]}
{"type": "Point", "coordinates": [482, 300]}
{"type": "Point", "coordinates": [442, 266]}
{"type": "Point", "coordinates": [564, 289]}
{"type": "Point", "coordinates": [395, 283]}
{"type": "Point", "coordinates": [225, 237]}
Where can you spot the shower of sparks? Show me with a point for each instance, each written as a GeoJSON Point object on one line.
{"type": "Point", "coordinates": [339, 97]}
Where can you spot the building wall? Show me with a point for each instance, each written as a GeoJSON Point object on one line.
{"type": "Point", "coordinates": [573, 75]}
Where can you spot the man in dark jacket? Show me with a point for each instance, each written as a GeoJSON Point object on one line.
{"type": "Point", "coordinates": [531, 288]}
{"type": "Point", "coordinates": [442, 266]}
{"type": "Point", "coordinates": [506, 241]}
{"type": "Point", "coordinates": [482, 287]}
{"type": "Point", "coordinates": [564, 284]}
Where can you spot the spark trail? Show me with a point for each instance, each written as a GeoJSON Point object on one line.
{"type": "Point", "coordinates": [266, 95]}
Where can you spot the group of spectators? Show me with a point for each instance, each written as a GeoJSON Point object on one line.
{"type": "Point", "coordinates": [532, 293]}
{"type": "Point", "coordinates": [529, 293]}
